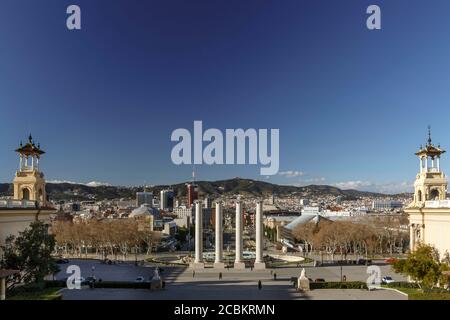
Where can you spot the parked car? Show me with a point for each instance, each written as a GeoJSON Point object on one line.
{"type": "Point", "coordinates": [387, 280]}
{"type": "Point", "coordinates": [91, 279]}
{"type": "Point", "coordinates": [139, 279]}
{"type": "Point", "coordinates": [80, 280]}
{"type": "Point", "coordinates": [364, 261]}
{"type": "Point", "coordinates": [320, 280]}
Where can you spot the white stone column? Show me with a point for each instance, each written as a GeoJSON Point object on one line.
{"type": "Point", "coordinates": [259, 262]}
{"type": "Point", "coordinates": [198, 262]}
{"type": "Point", "coordinates": [21, 163]}
{"type": "Point", "coordinates": [412, 237]}
{"type": "Point", "coordinates": [238, 263]}
{"type": "Point", "coordinates": [2, 289]}
{"type": "Point", "coordinates": [426, 164]}
{"type": "Point", "coordinates": [438, 161]}
{"type": "Point", "coordinates": [218, 263]}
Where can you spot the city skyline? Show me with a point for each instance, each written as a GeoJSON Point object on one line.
{"type": "Point", "coordinates": [351, 104]}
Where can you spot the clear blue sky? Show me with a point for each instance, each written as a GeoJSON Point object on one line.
{"type": "Point", "coordinates": [352, 105]}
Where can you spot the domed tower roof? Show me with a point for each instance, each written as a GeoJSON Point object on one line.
{"type": "Point", "coordinates": [30, 148]}
{"type": "Point", "coordinates": [430, 150]}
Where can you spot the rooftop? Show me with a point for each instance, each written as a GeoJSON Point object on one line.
{"type": "Point", "coordinates": [30, 148]}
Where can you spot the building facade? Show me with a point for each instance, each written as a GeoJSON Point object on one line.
{"type": "Point", "coordinates": [144, 198]}
{"type": "Point", "coordinates": [29, 202]}
{"type": "Point", "coordinates": [429, 212]}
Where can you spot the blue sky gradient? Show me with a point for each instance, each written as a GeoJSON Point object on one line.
{"type": "Point", "coordinates": [352, 105]}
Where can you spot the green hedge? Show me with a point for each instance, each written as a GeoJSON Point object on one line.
{"type": "Point", "coordinates": [338, 285]}
{"type": "Point", "coordinates": [121, 285]}
{"type": "Point", "coordinates": [55, 284]}
{"type": "Point", "coordinates": [34, 291]}
{"type": "Point", "coordinates": [102, 284]}
{"type": "Point", "coordinates": [402, 284]}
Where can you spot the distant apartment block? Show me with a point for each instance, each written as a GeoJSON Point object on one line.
{"type": "Point", "coordinates": [380, 205]}
{"type": "Point", "coordinates": [144, 198]}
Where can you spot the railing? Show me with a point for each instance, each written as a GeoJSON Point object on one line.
{"type": "Point", "coordinates": [17, 204]}
{"type": "Point", "coordinates": [437, 204]}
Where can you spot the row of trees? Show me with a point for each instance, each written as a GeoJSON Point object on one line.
{"type": "Point", "coordinates": [105, 237]}
{"type": "Point", "coordinates": [365, 237]}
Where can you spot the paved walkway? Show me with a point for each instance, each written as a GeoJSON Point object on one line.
{"type": "Point", "coordinates": [181, 283]}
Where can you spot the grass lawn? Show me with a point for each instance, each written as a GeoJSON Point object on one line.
{"type": "Point", "coordinates": [417, 294]}
{"type": "Point", "coordinates": [45, 294]}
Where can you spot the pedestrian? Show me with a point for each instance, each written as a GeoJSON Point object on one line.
{"type": "Point", "coordinates": [193, 273]}
{"type": "Point", "coordinates": [259, 285]}
{"type": "Point", "coordinates": [251, 268]}
{"type": "Point", "coordinates": [274, 276]}
{"type": "Point", "coordinates": [344, 278]}
{"type": "Point", "coordinates": [220, 275]}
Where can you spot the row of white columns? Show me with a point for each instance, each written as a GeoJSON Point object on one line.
{"type": "Point", "coordinates": [238, 263]}
{"type": "Point", "coordinates": [24, 163]}
{"type": "Point", "coordinates": [435, 163]}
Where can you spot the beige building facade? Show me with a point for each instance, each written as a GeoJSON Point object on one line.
{"type": "Point", "coordinates": [29, 202]}
{"type": "Point", "coordinates": [429, 213]}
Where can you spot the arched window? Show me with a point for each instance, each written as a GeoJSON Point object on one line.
{"type": "Point", "coordinates": [25, 194]}
{"type": "Point", "coordinates": [434, 195]}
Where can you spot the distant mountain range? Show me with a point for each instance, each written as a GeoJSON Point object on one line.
{"type": "Point", "coordinates": [230, 187]}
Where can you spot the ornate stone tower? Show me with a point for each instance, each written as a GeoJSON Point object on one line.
{"type": "Point", "coordinates": [429, 212]}
{"type": "Point", "coordinates": [29, 182]}
{"type": "Point", "coordinates": [431, 183]}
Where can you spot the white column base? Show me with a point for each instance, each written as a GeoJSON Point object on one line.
{"type": "Point", "coordinates": [2, 289]}
{"type": "Point", "coordinates": [197, 265]}
{"type": "Point", "coordinates": [219, 265]}
{"type": "Point", "coordinates": [239, 265]}
{"type": "Point", "coordinates": [259, 266]}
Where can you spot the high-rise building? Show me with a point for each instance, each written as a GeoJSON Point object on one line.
{"type": "Point", "coordinates": [192, 193]}
{"type": "Point", "coordinates": [166, 199]}
{"type": "Point", "coordinates": [207, 202]}
{"type": "Point", "coordinates": [144, 197]}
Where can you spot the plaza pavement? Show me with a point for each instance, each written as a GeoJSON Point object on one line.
{"type": "Point", "coordinates": [181, 283]}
